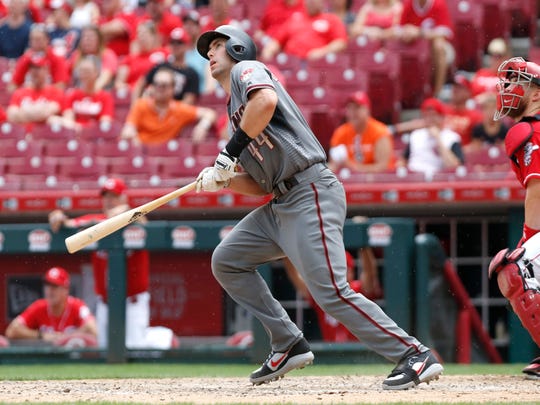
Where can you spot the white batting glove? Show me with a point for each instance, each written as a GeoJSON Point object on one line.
{"type": "Point", "coordinates": [206, 181]}
{"type": "Point", "coordinates": [225, 166]}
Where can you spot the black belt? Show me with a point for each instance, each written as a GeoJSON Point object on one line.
{"type": "Point", "coordinates": [311, 173]}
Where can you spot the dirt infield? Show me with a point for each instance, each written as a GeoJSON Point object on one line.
{"type": "Point", "coordinates": [355, 389]}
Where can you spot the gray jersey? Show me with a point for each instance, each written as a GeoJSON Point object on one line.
{"type": "Point", "coordinates": [287, 145]}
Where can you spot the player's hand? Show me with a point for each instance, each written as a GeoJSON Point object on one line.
{"type": "Point", "coordinates": [206, 181]}
{"type": "Point", "coordinates": [225, 166]}
{"type": "Point", "coordinates": [56, 219]}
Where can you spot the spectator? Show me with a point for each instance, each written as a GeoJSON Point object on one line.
{"type": "Point", "coordinates": [376, 19]}
{"type": "Point", "coordinates": [368, 285]}
{"type": "Point", "coordinates": [433, 148]}
{"type": "Point", "coordinates": [138, 63]}
{"type": "Point", "coordinates": [193, 58]}
{"type": "Point", "coordinates": [39, 47]}
{"type": "Point", "coordinates": [430, 19]}
{"type": "Point", "coordinates": [361, 144]}
{"type": "Point", "coordinates": [117, 27]}
{"type": "Point", "coordinates": [488, 132]}
{"type": "Point", "coordinates": [58, 317]}
{"type": "Point", "coordinates": [219, 15]}
{"type": "Point", "coordinates": [138, 333]}
{"type": "Point", "coordinates": [275, 14]}
{"type": "Point", "coordinates": [63, 37]}
{"type": "Point", "coordinates": [186, 79]}
{"type": "Point", "coordinates": [85, 104]}
{"type": "Point", "coordinates": [37, 101]}
{"type": "Point", "coordinates": [165, 21]}
{"type": "Point", "coordinates": [15, 29]}
{"type": "Point", "coordinates": [84, 13]}
{"type": "Point", "coordinates": [462, 113]}
{"type": "Point", "coordinates": [92, 44]}
{"type": "Point", "coordinates": [159, 118]}
{"type": "Point", "coordinates": [310, 35]}
{"type": "Point", "coordinates": [485, 79]}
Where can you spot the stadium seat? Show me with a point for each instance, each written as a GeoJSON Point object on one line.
{"type": "Point", "coordinates": [344, 80]}
{"type": "Point", "coordinates": [118, 148]}
{"type": "Point", "coordinates": [384, 83]}
{"type": "Point", "coordinates": [71, 148]}
{"type": "Point", "coordinates": [14, 131]}
{"type": "Point", "coordinates": [20, 148]}
{"type": "Point", "coordinates": [84, 168]}
{"type": "Point", "coordinates": [496, 20]}
{"type": "Point", "coordinates": [523, 18]}
{"type": "Point", "coordinates": [38, 167]}
{"type": "Point", "coordinates": [467, 16]}
{"type": "Point", "coordinates": [135, 167]}
{"type": "Point", "coordinates": [208, 147]}
{"type": "Point", "coordinates": [46, 132]}
{"type": "Point", "coordinates": [174, 168]}
{"type": "Point", "coordinates": [178, 147]}
{"type": "Point", "coordinates": [414, 70]}
{"type": "Point", "coordinates": [95, 132]}
{"type": "Point", "coordinates": [487, 159]}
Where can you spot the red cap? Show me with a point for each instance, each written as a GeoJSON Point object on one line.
{"type": "Point", "coordinates": [113, 185]}
{"type": "Point", "coordinates": [461, 80]}
{"type": "Point", "coordinates": [179, 35]}
{"type": "Point", "coordinates": [433, 104]}
{"type": "Point", "coordinates": [57, 276]}
{"type": "Point", "coordinates": [360, 98]}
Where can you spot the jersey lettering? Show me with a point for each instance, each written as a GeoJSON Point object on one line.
{"type": "Point", "coordinates": [260, 141]}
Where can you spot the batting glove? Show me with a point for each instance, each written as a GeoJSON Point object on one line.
{"type": "Point", "coordinates": [206, 181]}
{"type": "Point", "coordinates": [225, 166]}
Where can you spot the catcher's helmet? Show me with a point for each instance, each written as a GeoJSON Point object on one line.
{"type": "Point", "coordinates": [239, 45]}
{"type": "Point", "coordinates": [515, 76]}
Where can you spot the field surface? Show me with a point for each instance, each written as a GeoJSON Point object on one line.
{"type": "Point", "coordinates": [228, 384]}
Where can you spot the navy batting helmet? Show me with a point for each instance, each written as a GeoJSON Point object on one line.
{"type": "Point", "coordinates": [239, 45]}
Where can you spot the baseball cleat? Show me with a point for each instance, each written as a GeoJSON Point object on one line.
{"type": "Point", "coordinates": [278, 364]}
{"type": "Point", "coordinates": [532, 370]}
{"type": "Point", "coordinates": [413, 370]}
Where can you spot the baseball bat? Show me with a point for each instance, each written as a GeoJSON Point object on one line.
{"type": "Point", "coordinates": [98, 231]}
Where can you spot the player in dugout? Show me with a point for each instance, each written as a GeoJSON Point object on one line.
{"type": "Point", "coordinates": [280, 155]}
{"type": "Point", "coordinates": [518, 270]}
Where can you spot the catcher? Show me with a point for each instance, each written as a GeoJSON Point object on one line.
{"type": "Point", "coordinates": [518, 270]}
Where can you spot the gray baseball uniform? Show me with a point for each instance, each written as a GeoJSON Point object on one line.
{"type": "Point", "coordinates": [304, 222]}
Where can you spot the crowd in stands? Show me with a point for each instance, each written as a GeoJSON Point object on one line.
{"type": "Point", "coordinates": [92, 73]}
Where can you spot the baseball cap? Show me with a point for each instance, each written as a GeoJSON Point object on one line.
{"type": "Point", "coordinates": [113, 185]}
{"type": "Point", "coordinates": [179, 35]}
{"type": "Point", "coordinates": [497, 47]}
{"type": "Point", "coordinates": [433, 104]}
{"type": "Point", "coordinates": [461, 80]}
{"type": "Point", "coordinates": [57, 276]}
{"type": "Point", "coordinates": [360, 98]}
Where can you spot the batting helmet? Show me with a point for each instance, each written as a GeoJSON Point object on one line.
{"type": "Point", "coordinates": [239, 45]}
{"type": "Point", "coordinates": [515, 76]}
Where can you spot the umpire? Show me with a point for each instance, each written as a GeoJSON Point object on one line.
{"type": "Point", "coordinates": [279, 154]}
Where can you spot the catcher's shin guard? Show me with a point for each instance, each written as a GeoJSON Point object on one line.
{"type": "Point", "coordinates": [520, 287]}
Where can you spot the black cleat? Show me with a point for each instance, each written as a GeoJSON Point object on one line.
{"type": "Point", "coordinates": [278, 364]}
{"type": "Point", "coordinates": [532, 370]}
{"type": "Point", "coordinates": [413, 370]}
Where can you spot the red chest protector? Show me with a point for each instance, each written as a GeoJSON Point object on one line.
{"type": "Point", "coordinates": [517, 137]}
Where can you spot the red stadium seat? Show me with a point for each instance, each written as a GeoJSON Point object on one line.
{"type": "Point", "coordinates": [492, 159]}
{"type": "Point", "coordinates": [467, 16]}
{"type": "Point", "coordinates": [15, 131]}
{"type": "Point", "coordinates": [95, 132]}
{"type": "Point", "coordinates": [118, 148]}
{"type": "Point", "coordinates": [496, 20]}
{"type": "Point", "coordinates": [20, 148]}
{"type": "Point", "coordinates": [72, 148]}
{"type": "Point", "coordinates": [134, 168]}
{"type": "Point", "coordinates": [85, 168]}
{"type": "Point", "coordinates": [208, 147]}
{"type": "Point", "coordinates": [178, 147]}
{"type": "Point", "coordinates": [46, 132]}
{"type": "Point", "coordinates": [36, 166]}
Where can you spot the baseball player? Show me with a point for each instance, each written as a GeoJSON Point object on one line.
{"type": "Point", "coordinates": [279, 154]}
{"type": "Point", "coordinates": [58, 317]}
{"type": "Point", "coordinates": [138, 333]}
{"type": "Point", "coordinates": [518, 271]}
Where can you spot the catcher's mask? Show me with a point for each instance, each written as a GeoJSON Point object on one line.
{"type": "Point", "coordinates": [515, 77]}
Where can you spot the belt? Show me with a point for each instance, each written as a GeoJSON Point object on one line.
{"type": "Point", "coordinates": [309, 174]}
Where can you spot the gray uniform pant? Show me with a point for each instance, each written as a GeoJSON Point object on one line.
{"type": "Point", "coordinates": [306, 225]}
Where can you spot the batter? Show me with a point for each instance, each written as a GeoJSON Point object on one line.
{"type": "Point", "coordinates": [279, 154]}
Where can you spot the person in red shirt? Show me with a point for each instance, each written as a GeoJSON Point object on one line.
{"type": "Point", "coordinates": [138, 333]}
{"type": "Point", "coordinates": [430, 19]}
{"type": "Point", "coordinates": [39, 47]}
{"type": "Point", "coordinates": [85, 105]}
{"type": "Point", "coordinates": [485, 79]}
{"type": "Point", "coordinates": [165, 21]}
{"type": "Point", "coordinates": [58, 318]}
{"type": "Point", "coordinates": [361, 144]}
{"type": "Point", "coordinates": [117, 27]}
{"type": "Point", "coordinates": [275, 15]}
{"type": "Point", "coordinates": [36, 102]}
{"type": "Point", "coordinates": [310, 35]}
{"type": "Point", "coordinates": [462, 112]}
{"type": "Point", "coordinates": [219, 15]}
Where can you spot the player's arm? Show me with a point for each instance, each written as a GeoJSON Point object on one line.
{"type": "Point", "coordinates": [17, 329]}
{"type": "Point", "coordinates": [259, 111]}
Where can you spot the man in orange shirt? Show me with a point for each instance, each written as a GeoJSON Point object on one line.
{"type": "Point", "coordinates": [361, 144]}
{"type": "Point", "coordinates": [159, 118]}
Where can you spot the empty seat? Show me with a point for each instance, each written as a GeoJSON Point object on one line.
{"type": "Point", "coordinates": [86, 167]}
{"type": "Point", "coordinates": [467, 16]}
{"type": "Point", "coordinates": [20, 148]}
{"type": "Point", "coordinates": [118, 148]}
{"type": "Point", "coordinates": [9, 130]}
{"type": "Point", "coordinates": [72, 148]}
{"type": "Point", "coordinates": [36, 166]}
{"type": "Point", "coordinates": [496, 20]}
{"type": "Point", "coordinates": [178, 147]}
{"type": "Point", "coordinates": [46, 132]}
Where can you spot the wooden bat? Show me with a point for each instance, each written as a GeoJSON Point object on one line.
{"type": "Point", "coordinates": [98, 231]}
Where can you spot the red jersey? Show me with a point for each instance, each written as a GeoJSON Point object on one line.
{"type": "Point", "coordinates": [434, 15]}
{"type": "Point", "coordinates": [462, 121]}
{"type": "Point", "coordinates": [89, 108]}
{"type": "Point", "coordinates": [38, 316]}
{"type": "Point", "coordinates": [303, 33]}
{"type": "Point", "coordinates": [276, 14]}
{"type": "Point", "coordinates": [140, 64]}
{"type": "Point", "coordinates": [120, 45]}
{"type": "Point", "coordinates": [526, 159]}
{"type": "Point", "coordinates": [28, 95]}
{"type": "Point", "coordinates": [58, 67]}
{"type": "Point", "coordinates": [168, 22]}
{"type": "Point", "coordinates": [138, 264]}
{"type": "Point", "coordinates": [484, 80]}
